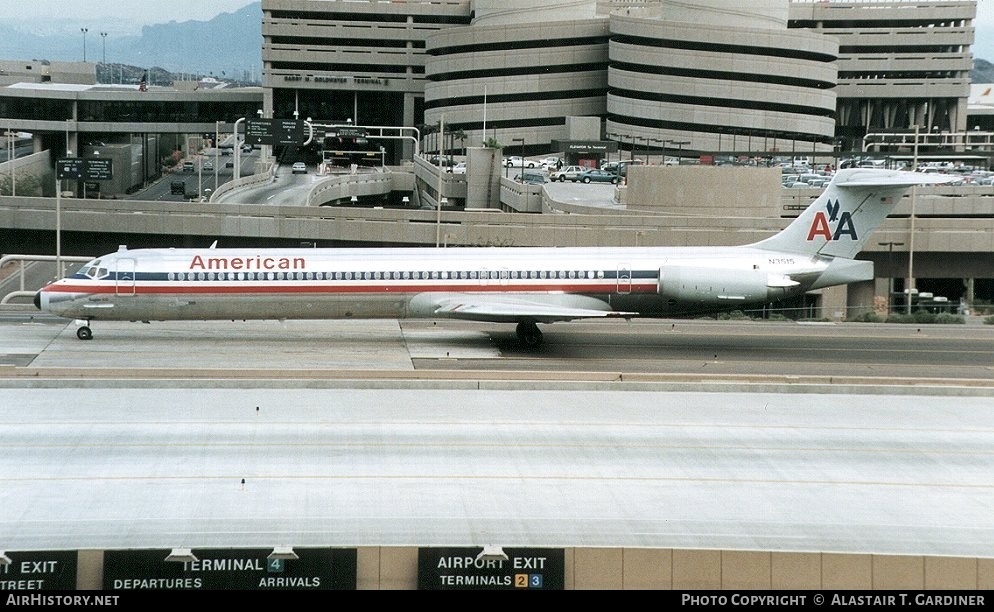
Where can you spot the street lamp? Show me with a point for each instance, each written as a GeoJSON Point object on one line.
{"type": "Point", "coordinates": [12, 158]}
{"type": "Point", "coordinates": [890, 268]}
{"type": "Point", "coordinates": [103, 36]}
{"type": "Point", "coordinates": [522, 141]}
{"type": "Point", "coordinates": [84, 31]}
{"type": "Point", "coordinates": [679, 144]}
{"type": "Point", "coordinates": [911, 232]}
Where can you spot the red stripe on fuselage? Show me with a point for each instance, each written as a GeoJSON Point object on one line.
{"type": "Point", "coordinates": [270, 288]}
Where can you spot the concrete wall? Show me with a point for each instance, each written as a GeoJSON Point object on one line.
{"type": "Point", "coordinates": [705, 190]}
{"type": "Point", "coordinates": [670, 568]}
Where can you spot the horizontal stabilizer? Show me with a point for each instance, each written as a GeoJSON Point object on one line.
{"type": "Point", "coordinates": [865, 177]}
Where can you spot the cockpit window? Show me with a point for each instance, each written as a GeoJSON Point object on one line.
{"type": "Point", "coordinates": [93, 270]}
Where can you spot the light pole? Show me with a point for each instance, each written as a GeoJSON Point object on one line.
{"type": "Point", "coordinates": [103, 36]}
{"type": "Point", "coordinates": [911, 237]}
{"type": "Point", "coordinates": [11, 158]}
{"type": "Point", "coordinates": [679, 144]}
{"type": "Point", "coordinates": [84, 31]}
{"type": "Point", "coordinates": [217, 150]}
{"type": "Point", "coordinates": [522, 141]}
{"type": "Point", "coordinates": [890, 268]}
{"type": "Point", "coordinates": [438, 210]}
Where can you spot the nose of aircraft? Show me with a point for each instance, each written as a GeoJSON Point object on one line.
{"type": "Point", "coordinates": [37, 300]}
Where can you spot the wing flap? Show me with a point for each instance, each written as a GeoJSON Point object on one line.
{"type": "Point", "coordinates": [509, 309]}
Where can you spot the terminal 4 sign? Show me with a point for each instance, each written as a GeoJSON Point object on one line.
{"type": "Point", "coordinates": [227, 569]}
{"type": "Point", "coordinates": [87, 169]}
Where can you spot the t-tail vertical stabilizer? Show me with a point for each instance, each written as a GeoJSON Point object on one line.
{"type": "Point", "coordinates": [852, 206]}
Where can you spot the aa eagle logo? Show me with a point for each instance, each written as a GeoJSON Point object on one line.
{"type": "Point", "coordinates": [825, 220]}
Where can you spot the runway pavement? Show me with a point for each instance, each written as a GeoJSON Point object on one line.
{"type": "Point", "coordinates": [422, 433]}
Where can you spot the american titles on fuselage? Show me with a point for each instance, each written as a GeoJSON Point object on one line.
{"type": "Point", "coordinates": [248, 263]}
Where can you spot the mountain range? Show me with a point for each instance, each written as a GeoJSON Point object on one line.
{"type": "Point", "coordinates": [228, 46]}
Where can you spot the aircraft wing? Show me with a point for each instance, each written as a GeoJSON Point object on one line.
{"type": "Point", "coordinates": [498, 308]}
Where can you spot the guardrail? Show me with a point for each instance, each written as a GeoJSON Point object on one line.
{"type": "Point", "coordinates": [22, 292]}
{"type": "Point", "coordinates": [245, 181]}
{"type": "Point", "coordinates": [339, 186]}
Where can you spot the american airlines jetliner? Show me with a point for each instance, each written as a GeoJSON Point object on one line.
{"type": "Point", "coordinates": [521, 285]}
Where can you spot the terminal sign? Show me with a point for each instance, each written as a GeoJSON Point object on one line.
{"type": "Point", "coordinates": [524, 569]}
{"type": "Point", "coordinates": [98, 170]}
{"type": "Point", "coordinates": [227, 569]}
{"type": "Point", "coordinates": [89, 169]}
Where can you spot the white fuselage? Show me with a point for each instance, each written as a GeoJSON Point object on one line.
{"type": "Point", "coordinates": [165, 284]}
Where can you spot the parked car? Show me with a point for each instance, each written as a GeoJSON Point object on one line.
{"type": "Point", "coordinates": [569, 173]}
{"type": "Point", "coordinates": [550, 163]}
{"type": "Point", "coordinates": [531, 178]}
{"type": "Point", "coordinates": [515, 161]}
{"type": "Point", "coordinates": [299, 168]}
{"type": "Point", "coordinates": [459, 168]}
{"type": "Point", "coordinates": [598, 176]}
{"type": "Point", "coordinates": [445, 161]}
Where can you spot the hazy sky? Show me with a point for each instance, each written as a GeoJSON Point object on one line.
{"type": "Point", "coordinates": [983, 43]}
{"type": "Point", "coordinates": [144, 12]}
{"type": "Point", "coordinates": [104, 13]}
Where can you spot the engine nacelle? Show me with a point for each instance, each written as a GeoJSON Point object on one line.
{"type": "Point", "coordinates": [720, 286]}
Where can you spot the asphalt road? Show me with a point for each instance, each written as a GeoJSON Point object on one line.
{"type": "Point", "coordinates": [697, 348]}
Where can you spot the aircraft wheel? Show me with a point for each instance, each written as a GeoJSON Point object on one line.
{"type": "Point", "coordinates": [84, 333]}
{"type": "Point", "coordinates": [529, 334]}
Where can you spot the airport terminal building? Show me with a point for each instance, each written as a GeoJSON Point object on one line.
{"type": "Point", "coordinates": [798, 76]}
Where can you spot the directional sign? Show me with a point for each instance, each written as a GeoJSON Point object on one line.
{"type": "Point", "coordinates": [287, 132]}
{"type": "Point", "coordinates": [98, 169]}
{"type": "Point", "coordinates": [227, 569]}
{"type": "Point", "coordinates": [259, 131]}
{"type": "Point", "coordinates": [347, 131]}
{"type": "Point", "coordinates": [36, 570]}
{"type": "Point", "coordinates": [444, 569]}
{"type": "Point", "coordinates": [89, 169]}
{"type": "Point", "coordinates": [69, 168]}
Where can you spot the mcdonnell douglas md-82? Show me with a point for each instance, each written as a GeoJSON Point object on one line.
{"type": "Point", "coordinates": [522, 285]}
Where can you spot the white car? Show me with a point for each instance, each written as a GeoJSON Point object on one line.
{"type": "Point", "coordinates": [515, 161]}
{"type": "Point", "coordinates": [299, 167]}
{"type": "Point", "coordinates": [569, 173]}
{"type": "Point", "coordinates": [459, 168]}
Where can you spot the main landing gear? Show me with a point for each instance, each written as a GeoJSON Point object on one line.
{"type": "Point", "coordinates": [529, 334]}
{"type": "Point", "coordinates": [83, 332]}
